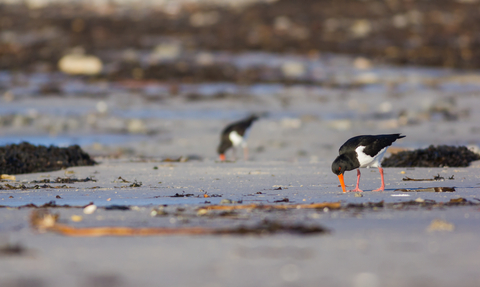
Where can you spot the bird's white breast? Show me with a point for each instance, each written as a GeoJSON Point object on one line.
{"type": "Point", "coordinates": [236, 139]}
{"type": "Point", "coordinates": [367, 161]}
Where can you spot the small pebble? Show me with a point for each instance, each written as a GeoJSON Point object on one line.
{"type": "Point", "coordinates": [358, 195]}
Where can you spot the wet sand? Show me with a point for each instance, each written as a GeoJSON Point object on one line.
{"type": "Point", "coordinates": [393, 245]}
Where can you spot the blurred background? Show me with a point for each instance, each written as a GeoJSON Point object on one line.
{"type": "Point", "coordinates": [162, 78]}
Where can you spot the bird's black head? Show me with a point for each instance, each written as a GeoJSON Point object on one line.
{"type": "Point", "coordinates": [223, 147]}
{"type": "Point", "coordinates": [340, 165]}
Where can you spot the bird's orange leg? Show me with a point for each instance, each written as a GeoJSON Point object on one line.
{"type": "Point", "coordinates": [357, 189]}
{"type": "Point", "coordinates": [382, 188]}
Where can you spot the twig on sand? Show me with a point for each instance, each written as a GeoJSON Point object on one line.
{"type": "Point", "coordinates": [435, 178]}
{"type": "Point", "coordinates": [330, 205]}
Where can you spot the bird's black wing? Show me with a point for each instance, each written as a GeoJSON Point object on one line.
{"type": "Point", "coordinates": [240, 127]}
{"type": "Point", "coordinates": [373, 143]}
{"type": "Point", "coordinates": [380, 142]}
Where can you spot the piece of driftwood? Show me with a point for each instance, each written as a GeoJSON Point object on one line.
{"type": "Point", "coordinates": [43, 221]}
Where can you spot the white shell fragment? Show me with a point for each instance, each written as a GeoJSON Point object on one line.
{"type": "Point", "coordinates": [90, 209]}
{"type": "Point", "coordinates": [80, 65]}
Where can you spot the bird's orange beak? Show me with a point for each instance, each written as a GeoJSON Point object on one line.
{"type": "Point", "coordinates": [340, 177]}
{"type": "Point", "coordinates": [222, 157]}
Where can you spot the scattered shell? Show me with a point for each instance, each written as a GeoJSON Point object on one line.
{"type": "Point", "coordinates": [203, 19]}
{"type": "Point", "coordinates": [400, 21]}
{"type": "Point", "coordinates": [8, 177]}
{"type": "Point", "coordinates": [226, 201]}
{"type": "Point", "coordinates": [80, 65]}
{"type": "Point", "coordinates": [358, 195]}
{"type": "Point", "coordinates": [77, 218]}
{"type": "Point", "coordinates": [202, 212]}
{"type": "Point", "coordinates": [293, 69]}
{"type": "Point", "coordinates": [291, 123]}
{"type": "Point", "coordinates": [167, 51]}
{"type": "Point", "coordinates": [362, 63]}
{"type": "Point", "coordinates": [342, 125]}
{"type": "Point", "coordinates": [205, 59]}
{"type": "Point", "coordinates": [361, 28]}
{"type": "Point", "coordinates": [102, 107]}
{"type": "Point", "coordinates": [367, 78]}
{"type": "Point", "coordinates": [440, 225]}
{"type": "Point", "coordinates": [282, 23]}
{"type": "Point", "coordinates": [159, 211]}
{"type": "Point", "coordinates": [136, 126]}
{"type": "Point", "coordinates": [90, 209]}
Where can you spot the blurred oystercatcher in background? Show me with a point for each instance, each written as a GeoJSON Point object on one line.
{"type": "Point", "coordinates": [362, 151]}
{"type": "Point", "coordinates": [234, 135]}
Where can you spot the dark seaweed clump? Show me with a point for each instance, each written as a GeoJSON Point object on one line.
{"type": "Point", "coordinates": [440, 156]}
{"type": "Point", "coordinates": [26, 158]}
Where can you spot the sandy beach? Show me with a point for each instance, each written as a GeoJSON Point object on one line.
{"type": "Point", "coordinates": [151, 118]}
{"type": "Point", "coordinates": [392, 245]}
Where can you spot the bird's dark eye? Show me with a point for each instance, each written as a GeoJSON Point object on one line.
{"type": "Point", "coordinates": [339, 168]}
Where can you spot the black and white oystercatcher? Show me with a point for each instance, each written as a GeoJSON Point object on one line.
{"type": "Point", "coordinates": [234, 135]}
{"type": "Point", "coordinates": [362, 151]}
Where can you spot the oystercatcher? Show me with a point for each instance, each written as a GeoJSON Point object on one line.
{"type": "Point", "coordinates": [234, 135]}
{"type": "Point", "coordinates": [362, 151]}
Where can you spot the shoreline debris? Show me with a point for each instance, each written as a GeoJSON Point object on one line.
{"type": "Point", "coordinates": [433, 156]}
{"type": "Point", "coordinates": [28, 158]}
{"type": "Point", "coordinates": [429, 189]}
{"type": "Point", "coordinates": [438, 177]}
